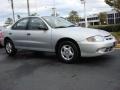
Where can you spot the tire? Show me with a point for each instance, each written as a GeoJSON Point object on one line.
{"type": "Point", "coordinates": [1, 46]}
{"type": "Point", "coordinates": [68, 52]}
{"type": "Point", "coordinates": [10, 48]}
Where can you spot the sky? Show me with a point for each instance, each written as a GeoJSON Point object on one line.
{"type": "Point", "coordinates": [43, 7]}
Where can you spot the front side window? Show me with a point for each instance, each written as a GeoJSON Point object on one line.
{"type": "Point", "coordinates": [21, 25]}
{"type": "Point", "coordinates": [36, 24]}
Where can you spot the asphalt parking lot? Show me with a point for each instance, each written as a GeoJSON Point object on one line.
{"type": "Point", "coordinates": [32, 71]}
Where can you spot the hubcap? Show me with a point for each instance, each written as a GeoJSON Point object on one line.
{"type": "Point", "coordinates": [67, 52]}
{"type": "Point", "coordinates": [9, 47]}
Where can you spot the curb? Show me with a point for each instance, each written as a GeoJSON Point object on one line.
{"type": "Point", "coordinates": [118, 46]}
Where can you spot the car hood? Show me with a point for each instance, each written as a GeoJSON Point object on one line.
{"type": "Point", "coordinates": [81, 32]}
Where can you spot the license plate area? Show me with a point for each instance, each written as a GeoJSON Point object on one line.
{"type": "Point", "coordinates": [114, 44]}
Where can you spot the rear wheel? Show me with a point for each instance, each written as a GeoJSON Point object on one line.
{"type": "Point", "coordinates": [10, 48]}
{"type": "Point", "coordinates": [68, 52]}
{"type": "Point", "coordinates": [1, 46]}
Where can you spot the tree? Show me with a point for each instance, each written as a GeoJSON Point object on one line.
{"type": "Point", "coordinates": [114, 3]}
{"type": "Point", "coordinates": [18, 16]}
{"type": "Point", "coordinates": [73, 17]}
{"type": "Point", "coordinates": [103, 18]}
{"type": "Point", "coordinates": [9, 21]}
{"type": "Point", "coordinates": [34, 14]}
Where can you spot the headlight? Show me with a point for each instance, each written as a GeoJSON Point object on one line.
{"type": "Point", "coordinates": [95, 39]}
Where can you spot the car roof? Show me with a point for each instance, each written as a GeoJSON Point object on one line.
{"type": "Point", "coordinates": [37, 16]}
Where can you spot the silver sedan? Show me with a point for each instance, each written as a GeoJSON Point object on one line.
{"type": "Point", "coordinates": [55, 34]}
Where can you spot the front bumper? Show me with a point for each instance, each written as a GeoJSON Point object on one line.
{"type": "Point", "coordinates": [92, 49]}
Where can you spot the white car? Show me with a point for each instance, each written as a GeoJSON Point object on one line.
{"type": "Point", "coordinates": [54, 34]}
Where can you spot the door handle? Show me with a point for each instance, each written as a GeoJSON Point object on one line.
{"type": "Point", "coordinates": [28, 34]}
{"type": "Point", "coordinates": [10, 33]}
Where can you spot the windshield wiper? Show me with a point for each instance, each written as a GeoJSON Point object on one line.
{"type": "Point", "coordinates": [71, 26]}
{"type": "Point", "coordinates": [61, 27]}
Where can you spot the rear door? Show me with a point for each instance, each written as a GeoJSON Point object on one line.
{"type": "Point", "coordinates": [18, 33]}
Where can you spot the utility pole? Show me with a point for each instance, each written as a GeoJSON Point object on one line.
{"type": "Point", "coordinates": [84, 2]}
{"type": "Point", "coordinates": [28, 7]}
{"type": "Point", "coordinates": [114, 12]}
{"type": "Point", "coordinates": [12, 7]}
{"type": "Point", "coordinates": [54, 9]}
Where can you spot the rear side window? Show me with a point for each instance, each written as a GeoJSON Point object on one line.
{"type": "Point", "coordinates": [21, 25]}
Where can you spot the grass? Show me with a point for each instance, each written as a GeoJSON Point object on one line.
{"type": "Point", "coordinates": [117, 36]}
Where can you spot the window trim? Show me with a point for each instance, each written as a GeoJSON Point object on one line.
{"type": "Point", "coordinates": [26, 28]}
{"type": "Point", "coordinates": [36, 29]}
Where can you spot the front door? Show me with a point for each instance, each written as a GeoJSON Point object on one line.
{"type": "Point", "coordinates": [39, 36]}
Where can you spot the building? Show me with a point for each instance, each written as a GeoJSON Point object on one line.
{"type": "Point", "coordinates": [113, 17]}
{"type": "Point", "coordinates": [92, 20]}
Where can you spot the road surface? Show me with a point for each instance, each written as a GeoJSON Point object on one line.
{"type": "Point", "coordinates": [32, 71]}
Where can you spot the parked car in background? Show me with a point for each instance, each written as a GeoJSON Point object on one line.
{"type": "Point", "coordinates": [54, 34]}
{"type": "Point", "coordinates": [1, 36]}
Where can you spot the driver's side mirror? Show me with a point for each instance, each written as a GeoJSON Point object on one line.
{"type": "Point", "coordinates": [42, 27]}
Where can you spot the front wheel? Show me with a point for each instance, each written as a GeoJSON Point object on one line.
{"type": "Point", "coordinates": [10, 48]}
{"type": "Point", "coordinates": [68, 52]}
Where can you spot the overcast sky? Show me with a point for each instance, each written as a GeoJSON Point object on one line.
{"type": "Point", "coordinates": [43, 7]}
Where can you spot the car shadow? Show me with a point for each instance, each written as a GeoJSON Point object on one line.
{"type": "Point", "coordinates": [27, 62]}
{"type": "Point", "coordinates": [51, 57]}
{"type": "Point", "coordinates": [95, 61]}
{"type": "Point", "coordinates": [1, 47]}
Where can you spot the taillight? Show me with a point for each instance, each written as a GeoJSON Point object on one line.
{"type": "Point", "coordinates": [1, 35]}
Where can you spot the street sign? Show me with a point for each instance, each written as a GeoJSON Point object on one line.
{"type": "Point", "coordinates": [82, 1]}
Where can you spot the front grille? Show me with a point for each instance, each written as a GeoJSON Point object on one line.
{"type": "Point", "coordinates": [105, 49]}
{"type": "Point", "coordinates": [108, 49]}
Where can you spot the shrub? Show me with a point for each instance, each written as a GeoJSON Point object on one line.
{"type": "Point", "coordinates": [109, 28]}
{"type": "Point", "coordinates": [117, 35]}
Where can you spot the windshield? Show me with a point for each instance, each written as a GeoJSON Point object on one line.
{"type": "Point", "coordinates": [57, 22]}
